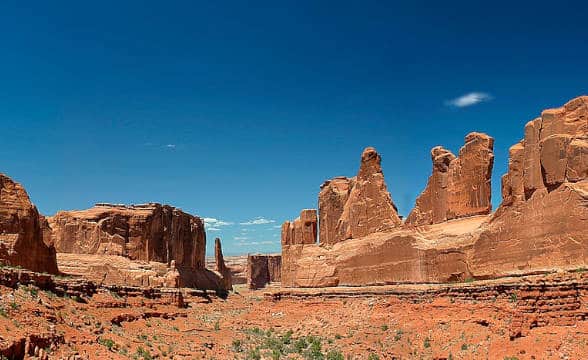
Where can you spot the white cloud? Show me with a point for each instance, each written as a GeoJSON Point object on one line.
{"type": "Point", "coordinates": [210, 228]}
{"type": "Point", "coordinates": [469, 99]}
{"type": "Point", "coordinates": [216, 222]}
{"type": "Point", "coordinates": [258, 221]}
{"type": "Point", "coordinates": [257, 243]}
{"type": "Point", "coordinates": [170, 146]}
{"type": "Point", "coordinates": [277, 226]}
{"type": "Point", "coordinates": [240, 238]}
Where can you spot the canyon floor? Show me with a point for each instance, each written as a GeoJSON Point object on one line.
{"type": "Point", "coordinates": [462, 321]}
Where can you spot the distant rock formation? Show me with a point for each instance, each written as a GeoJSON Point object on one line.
{"type": "Point", "coordinates": [459, 186]}
{"type": "Point", "coordinates": [303, 230]}
{"type": "Point", "coordinates": [541, 225]}
{"type": "Point", "coordinates": [221, 268]}
{"type": "Point", "coordinates": [149, 232]}
{"type": "Point", "coordinates": [263, 270]}
{"type": "Point", "coordinates": [21, 231]}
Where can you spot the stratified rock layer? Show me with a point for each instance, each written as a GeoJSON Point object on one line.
{"type": "Point", "coordinates": [263, 270]}
{"type": "Point", "coordinates": [150, 232]}
{"type": "Point", "coordinates": [459, 186]}
{"type": "Point", "coordinates": [541, 225]}
{"type": "Point", "coordinates": [21, 231]}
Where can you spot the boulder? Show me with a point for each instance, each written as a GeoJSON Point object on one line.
{"type": "Point", "coordinates": [458, 186]}
{"type": "Point", "coordinates": [21, 231]}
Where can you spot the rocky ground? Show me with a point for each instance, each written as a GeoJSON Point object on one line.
{"type": "Point", "coordinates": [466, 321]}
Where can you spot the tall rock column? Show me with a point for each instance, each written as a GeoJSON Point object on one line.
{"type": "Point", "coordinates": [369, 208]}
{"type": "Point", "coordinates": [221, 267]}
{"type": "Point", "coordinates": [459, 186]}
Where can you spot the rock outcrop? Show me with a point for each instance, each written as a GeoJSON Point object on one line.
{"type": "Point", "coordinates": [149, 232]}
{"type": "Point", "coordinates": [541, 225]}
{"type": "Point", "coordinates": [303, 230]}
{"type": "Point", "coordinates": [369, 208]}
{"type": "Point", "coordinates": [21, 232]}
{"type": "Point", "coordinates": [348, 207]}
{"type": "Point", "coordinates": [458, 186]}
{"type": "Point", "coordinates": [263, 270]}
{"type": "Point", "coordinates": [332, 199]}
{"type": "Point", "coordinates": [221, 267]}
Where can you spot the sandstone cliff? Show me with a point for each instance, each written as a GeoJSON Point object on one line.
{"type": "Point", "coordinates": [21, 232]}
{"type": "Point", "coordinates": [458, 186]}
{"type": "Point", "coordinates": [303, 230]}
{"type": "Point", "coordinates": [149, 232]}
{"type": "Point", "coordinates": [541, 225]}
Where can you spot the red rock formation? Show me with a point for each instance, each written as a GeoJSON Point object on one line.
{"type": "Point", "coordinates": [369, 208]}
{"type": "Point", "coordinates": [541, 225]}
{"type": "Point", "coordinates": [303, 230]}
{"type": "Point", "coordinates": [263, 269]}
{"type": "Point", "coordinates": [332, 199]}
{"type": "Point", "coordinates": [21, 234]}
{"type": "Point", "coordinates": [459, 186]}
{"type": "Point", "coordinates": [542, 221]}
{"type": "Point", "coordinates": [150, 232]}
{"type": "Point", "coordinates": [221, 268]}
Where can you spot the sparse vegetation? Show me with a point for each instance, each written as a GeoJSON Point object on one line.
{"type": "Point", "coordinates": [109, 343]}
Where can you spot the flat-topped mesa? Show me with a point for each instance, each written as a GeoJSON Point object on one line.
{"type": "Point", "coordinates": [369, 208]}
{"type": "Point", "coordinates": [458, 186]}
{"type": "Point", "coordinates": [147, 232]}
{"type": "Point", "coordinates": [332, 199]}
{"type": "Point", "coordinates": [303, 230]}
{"type": "Point", "coordinates": [21, 231]}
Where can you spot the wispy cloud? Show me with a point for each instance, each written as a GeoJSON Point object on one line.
{"type": "Point", "coordinates": [258, 221]}
{"type": "Point", "coordinates": [170, 146]}
{"type": "Point", "coordinates": [212, 224]}
{"type": "Point", "coordinates": [240, 238]}
{"type": "Point", "coordinates": [469, 99]}
{"type": "Point", "coordinates": [256, 243]}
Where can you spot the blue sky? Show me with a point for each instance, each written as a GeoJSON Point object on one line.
{"type": "Point", "coordinates": [238, 111]}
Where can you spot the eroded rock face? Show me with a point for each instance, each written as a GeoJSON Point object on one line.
{"type": "Point", "coordinates": [21, 232]}
{"type": "Point", "coordinates": [541, 225]}
{"type": "Point", "coordinates": [332, 199]}
{"type": "Point", "coordinates": [303, 230]}
{"type": "Point", "coordinates": [459, 186]}
{"type": "Point", "coordinates": [150, 232]}
{"type": "Point", "coordinates": [369, 208]}
{"type": "Point", "coordinates": [221, 268]}
{"type": "Point", "coordinates": [263, 269]}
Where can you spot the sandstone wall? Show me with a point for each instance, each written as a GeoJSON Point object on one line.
{"type": "Point", "coordinates": [303, 230]}
{"type": "Point", "coordinates": [150, 232]}
{"type": "Point", "coordinates": [458, 186]}
{"type": "Point", "coordinates": [263, 269]}
{"type": "Point", "coordinates": [21, 231]}
{"type": "Point", "coordinates": [541, 225]}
